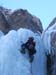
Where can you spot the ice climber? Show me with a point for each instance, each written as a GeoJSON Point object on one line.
{"type": "Point", "coordinates": [30, 47]}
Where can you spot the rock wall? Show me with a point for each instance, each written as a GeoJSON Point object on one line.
{"type": "Point", "coordinates": [18, 19]}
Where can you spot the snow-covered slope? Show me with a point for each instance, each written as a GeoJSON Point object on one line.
{"type": "Point", "coordinates": [12, 62]}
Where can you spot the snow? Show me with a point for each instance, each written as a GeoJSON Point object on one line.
{"type": "Point", "coordinates": [12, 62]}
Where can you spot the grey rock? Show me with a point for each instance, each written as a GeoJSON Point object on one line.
{"type": "Point", "coordinates": [4, 25]}
{"type": "Point", "coordinates": [18, 19]}
{"type": "Point", "coordinates": [22, 18]}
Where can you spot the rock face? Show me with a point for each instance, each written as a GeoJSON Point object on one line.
{"type": "Point", "coordinates": [53, 40]}
{"type": "Point", "coordinates": [18, 19]}
{"type": "Point", "coordinates": [22, 18]}
{"type": "Point", "coordinates": [50, 34]}
{"type": "Point", "coordinates": [53, 48]}
{"type": "Point", "coordinates": [49, 39]}
{"type": "Point", "coordinates": [52, 30]}
{"type": "Point", "coordinates": [4, 26]}
{"type": "Point", "coordinates": [52, 23]}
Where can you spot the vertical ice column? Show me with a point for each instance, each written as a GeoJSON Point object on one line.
{"type": "Point", "coordinates": [39, 63]}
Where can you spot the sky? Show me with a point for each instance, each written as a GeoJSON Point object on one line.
{"type": "Point", "coordinates": [43, 9]}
